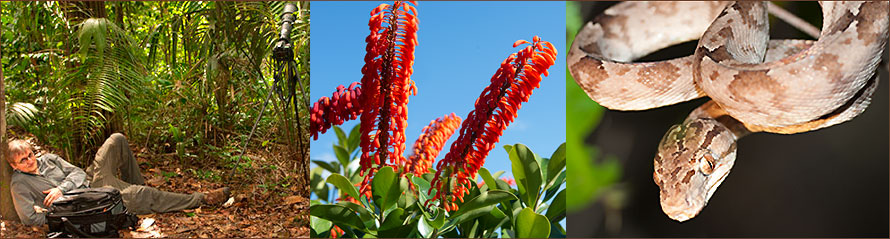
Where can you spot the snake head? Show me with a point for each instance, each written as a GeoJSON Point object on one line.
{"type": "Point", "coordinates": [693, 159]}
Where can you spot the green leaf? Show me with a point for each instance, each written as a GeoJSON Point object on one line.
{"type": "Point", "coordinates": [385, 188]}
{"type": "Point", "coordinates": [508, 148]}
{"type": "Point", "coordinates": [363, 212]}
{"type": "Point", "coordinates": [424, 228]}
{"type": "Point", "coordinates": [338, 214]}
{"type": "Point", "coordinates": [489, 180]}
{"type": "Point", "coordinates": [557, 209]}
{"type": "Point", "coordinates": [342, 155]}
{"type": "Point", "coordinates": [319, 225]}
{"type": "Point", "coordinates": [557, 163]}
{"type": "Point", "coordinates": [397, 224]}
{"type": "Point", "coordinates": [341, 137]}
{"type": "Point", "coordinates": [428, 176]}
{"type": "Point", "coordinates": [544, 163]}
{"type": "Point", "coordinates": [423, 187]}
{"type": "Point", "coordinates": [498, 173]}
{"type": "Point", "coordinates": [405, 199]}
{"type": "Point", "coordinates": [438, 220]}
{"type": "Point", "coordinates": [474, 230]}
{"type": "Point", "coordinates": [393, 220]}
{"type": "Point", "coordinates": [355, 137]}
{"type": "Point", "coordinates": [531, 225]}
{"type": "Point", "coordinates": [484, 199]}
{"type": "Point", "coordinates": [553, 188]}
{"type": "Point", "coordinates": [467, 216]}
{"type": "Point", "coordinates": [434, 219]}
{"type": "Point", "coordinates": [493, 220]}
{"type": "Point", "coordinates": [527, 172]}
{"type": "Point", "coordinates": [317, 183]}
{"type": "Point", "coordinates": [343, 184]}
{"type": "Point", "coordinates": [327, 166]}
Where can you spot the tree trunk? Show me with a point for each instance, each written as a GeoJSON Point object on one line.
{"type": "Point", "coordinates": [7, 210]}
{"type": "Point", "coordinates": [79, 11]}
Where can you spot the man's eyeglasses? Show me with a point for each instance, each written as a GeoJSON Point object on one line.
{"type": "Point", "coordinates": [30, 154]}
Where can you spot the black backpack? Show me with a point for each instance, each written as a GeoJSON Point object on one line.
{"type": "Point", "coordinates": [89, 212]}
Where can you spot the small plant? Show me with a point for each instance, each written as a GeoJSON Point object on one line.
{"type": "Point", "coordinates": [375, 190]}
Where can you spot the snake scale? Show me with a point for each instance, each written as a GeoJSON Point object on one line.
{"type": "Point", "coordinates": [755, 84]}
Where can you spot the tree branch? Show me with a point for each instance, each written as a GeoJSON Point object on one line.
{"type": "Point", "coordinates": [793, 20]}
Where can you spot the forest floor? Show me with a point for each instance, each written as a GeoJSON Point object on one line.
{"type": "Point", "coordinates": [256, 211]}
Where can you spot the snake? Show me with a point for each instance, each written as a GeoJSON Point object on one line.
{"type": "Point", "coordinates": [755, 84]}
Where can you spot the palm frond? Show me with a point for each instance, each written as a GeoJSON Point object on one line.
{"type": "Point", "coordinates": [111, 71]}
{"type": "Point", "coordinates": [21, 114]}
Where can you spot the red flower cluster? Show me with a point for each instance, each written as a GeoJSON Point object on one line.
{"type": "Point", "coordinates": [430, 143]}
{"type": "Point", "coordinates": [342, 106]}
{"type": "Point", "coordinates": [386, 85]}
{"type": "Point", "coordinates": [495, 109]}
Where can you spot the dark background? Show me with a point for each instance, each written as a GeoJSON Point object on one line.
{"type": "Point", "coordinates": [831, 182]}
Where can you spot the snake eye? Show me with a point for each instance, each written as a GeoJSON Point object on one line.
{"type": "Point", "coordinates": [707, 165]}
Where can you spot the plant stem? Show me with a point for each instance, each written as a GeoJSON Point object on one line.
{"type": "Point", "coordinates": [435, 233]}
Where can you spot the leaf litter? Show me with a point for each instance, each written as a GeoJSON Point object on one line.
{"type": "Point", "coordinates": [252, 211]}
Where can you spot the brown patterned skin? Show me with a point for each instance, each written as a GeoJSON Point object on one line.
{"type": "Point", "coordinates": [756, 84]}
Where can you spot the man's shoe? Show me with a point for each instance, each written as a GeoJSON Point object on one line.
{"type": "Point", "coordinates": [217, 196]}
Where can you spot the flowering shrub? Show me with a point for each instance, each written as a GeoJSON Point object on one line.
{"type": "Point", "coordinates": [493, 206]}
{"type": "Point", "coordinates": [382, 193]}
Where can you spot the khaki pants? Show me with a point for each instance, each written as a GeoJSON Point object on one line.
{"type": "Point", "coordinates": [115, 158]}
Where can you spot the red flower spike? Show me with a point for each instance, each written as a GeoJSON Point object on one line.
{"type": "Point", "coordinates": [495, 109]}
{"type": "Point", "coordinates": [336, 232]}
{"type": "Point", "coordinates": [342, 106]}
{"type": "Point", "coordinates": [386, 84]}
{"type": "Point", "coordinates": [430, 143]}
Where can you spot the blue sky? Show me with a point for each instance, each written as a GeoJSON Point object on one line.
{"type": "Point", "coordinates": [460, 46]}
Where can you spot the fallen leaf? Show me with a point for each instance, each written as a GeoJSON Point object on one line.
{"type": "Point", "coordinates": [293, 199]}
{"type": "Point", "coordinates": [156, 181]}
{"type": "Point", "coordinates": [146, 223]}
{"type": "Point", "coordinates": [229, 202]}
{"type": "Point", "coordinates": [183, 229]}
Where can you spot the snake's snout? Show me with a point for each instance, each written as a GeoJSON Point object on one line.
{"type": "Point", "coordinates": [678, 213]}
{"type": "Point", "coordinates": [680, 210]}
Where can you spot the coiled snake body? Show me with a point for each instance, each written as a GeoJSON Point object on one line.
{"type": "Point", "coordinates": [755, 84]}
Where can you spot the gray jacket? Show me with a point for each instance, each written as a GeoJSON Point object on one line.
{"type": "Point", "coordinates": [27, 189]}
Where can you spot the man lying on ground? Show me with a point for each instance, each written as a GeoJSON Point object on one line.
{"type": "Point", "coordinates": [37, 182]}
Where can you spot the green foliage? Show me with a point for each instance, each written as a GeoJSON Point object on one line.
{"type": "Point", "coordinates": [527, 172]}
{"type": "Point", "coordinates": [181, 78]}
{"type": "Point", "coordinates": [399, 206]}
{"type": "Point", "coordinates": [531, 225]}
{"type": "Point", "coordinates": [589, 175]}
{"type": "Point", "coordinates": [205, 174]}
{"type": "Point", "coordinates": [384, 188]}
